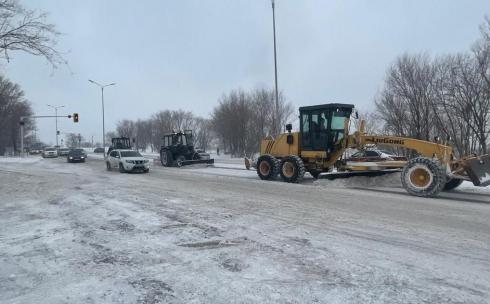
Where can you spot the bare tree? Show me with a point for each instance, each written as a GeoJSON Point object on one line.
{"type": "Point", "coordinates": [126, 128]}
{"type": "Point", "coordinates": [203, 133]}
{"type": "Point", "coordinates": [28, 31]}
{"type": "Point", "coordinates": [109, 136]}
{"type": "Point", "coordinates": [242, 119]}
{"type": "Point", "coordinates": [13, 105]}
{"type": "Point", "coordinates": [73, 139]}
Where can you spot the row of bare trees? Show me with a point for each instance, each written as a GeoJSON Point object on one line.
{"type": "Point", "coordinates": [242, 118]}
{"type": "Point", "coordinates": [446, 96]}
{"type": "Point", "coordinates": [148, 133]}
{"type": "Point", "coordinates": [13, 106]}
{"type": "Point", "coordinates": [237, 124]}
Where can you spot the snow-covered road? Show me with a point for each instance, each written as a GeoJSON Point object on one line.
{"type": "Point", "coordinates": [75, 233]}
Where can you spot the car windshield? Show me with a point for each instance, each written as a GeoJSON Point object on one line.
{"type": "Point", "coordinates": [130, 154]}
{"type": "Point", "coordinates": [77, 151]}
{"type": "Point", "coordinates": [386, 152]}
{"type": "Point", "coordinates": [50, 149]}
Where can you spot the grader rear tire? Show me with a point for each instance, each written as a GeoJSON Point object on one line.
{"type": "Point", "coordinates": [451, 184]}
{"type": "Point", "coordinates": [292, 169]}
{"type": "Point", "coordinates": [267, 167]}
{"type": "Point", "coordinates": [423, 177]}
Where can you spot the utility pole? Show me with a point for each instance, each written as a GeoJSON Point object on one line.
{"type": "Point", "coordinates": [101, 86]}
{"type": "Point", "coordinates": [276, 118]}
{"type": "Point", "coordinates": [56, 119]}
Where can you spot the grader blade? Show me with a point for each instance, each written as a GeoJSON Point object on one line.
{"type": "Point", "coordinates": [368, 173]}
{"type": "Point", "coordinates": [478, 169]}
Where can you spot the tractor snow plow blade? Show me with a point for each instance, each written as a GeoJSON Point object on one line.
{"type": "Point", "coordinates": [478, 169]}
{"type": "Point", "coordinates": [197, 161]}
{"type": "Point", "coordinates": [335, 175]}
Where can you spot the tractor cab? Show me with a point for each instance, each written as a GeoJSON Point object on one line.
{"type": "Point", "coordinates": [182, 138]}
{"type": "Point", "coordinates": [178, 150]}
{"type": "Point", "coordinates": [120, 143]}
{"type": "Point", "coordinates": [323, 126]}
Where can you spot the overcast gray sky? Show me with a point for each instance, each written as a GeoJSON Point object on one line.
{"type": "Point", "coordinates": [187, 53]}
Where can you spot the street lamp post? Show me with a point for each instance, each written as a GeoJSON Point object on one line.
{"type": "Point", "coordinates": [276, 119]}
{"type": "Point", "coordinates": [102, 86]}
{"type": "Point", "coordinates": [56, 119]}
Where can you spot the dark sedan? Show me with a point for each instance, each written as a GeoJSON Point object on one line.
{"type": "Point", "coordinates": [76, 155]}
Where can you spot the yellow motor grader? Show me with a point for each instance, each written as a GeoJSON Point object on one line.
{"type": "Point", "coordinates": [324, 137]}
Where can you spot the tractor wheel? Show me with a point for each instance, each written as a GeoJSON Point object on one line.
{"type": "Point", "coordinates": [179, 160]}
{"type": "Point", "coordinates": [121, 168]}
{"type": "Point", "coordinates": [423, 177]}
{"type": "Point", "coordinates": [453, 183]}
{"type": "Point", "coordinates": [166, 158]}
{"type": "Point", "coordinates": [267, 167]}
{"type": "Point", "coordinates": [292, 169]}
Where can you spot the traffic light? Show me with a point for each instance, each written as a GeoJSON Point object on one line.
{"type": "Point", "coordinates": [75, 117]}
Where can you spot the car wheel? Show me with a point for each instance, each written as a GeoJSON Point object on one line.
{"type": "Point", "coordinates": [108, 165]}
{"type": "Point", "coordinates": [451, 184]}
{"type": "Point", "coordinates": [315, 173]}
{"type": "Point", "coordinates": [121, 168]}
{"type": "Point", "coordinates": [146, 170]}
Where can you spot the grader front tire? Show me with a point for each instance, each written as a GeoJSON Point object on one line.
{"type": "Point", "coordinates": [423, 177]}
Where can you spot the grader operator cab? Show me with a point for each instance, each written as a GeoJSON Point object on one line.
{"type": "Point", "coordinates": [324, 137]}
{"type": "Point", "coordinates": [178, 150]}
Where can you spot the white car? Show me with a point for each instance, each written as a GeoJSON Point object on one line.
{"type": "Point", "coordinates": [127, 160]}
{"type": "Point", "coordinates": [50, 152]}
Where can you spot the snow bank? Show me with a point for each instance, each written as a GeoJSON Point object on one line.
{"type": "Point", "coordinates": [387, 180]}
{"type": "Point", "coordinates": [469, 187]}
{"type": "Point", "coordinates": [24, 160]}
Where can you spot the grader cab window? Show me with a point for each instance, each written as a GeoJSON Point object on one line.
{"type": "Point", "coordinates": [305, 126]}
{"type": "Point", "coordinates": [323, 126]}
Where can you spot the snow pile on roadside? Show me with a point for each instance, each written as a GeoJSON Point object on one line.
{"type": "Point", "coordinates": [387, 180]}
{"type": "Point", "coordinates": [24, 160]}
{"type": "Point", "coordinates": [469, 187]}
{"type": "Point", "coordinates": [95, 155]}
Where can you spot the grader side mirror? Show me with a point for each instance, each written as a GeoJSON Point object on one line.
{"type": "Point", "coordinates": [356, 115]}
{"type": "Point", "coordinates": [289, 127]}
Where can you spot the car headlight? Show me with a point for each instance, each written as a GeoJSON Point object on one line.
{"type": "Point", "coordinates": [71, 157]}
{"type": "Point", "coordinates": [82, 156]}
{"type": "Point", "coordinates": [130, 161]}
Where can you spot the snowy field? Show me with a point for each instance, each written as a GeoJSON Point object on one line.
{"type": "Point", "coordinates": [76, 233]}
